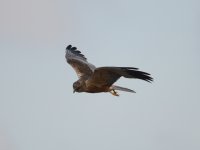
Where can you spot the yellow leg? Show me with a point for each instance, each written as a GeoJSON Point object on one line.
{"type": "Point", "coordinates": [113, 92]}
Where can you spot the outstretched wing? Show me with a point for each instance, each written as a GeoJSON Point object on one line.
{"type": "Point", "coordinates": [106, 76]}
{"type": "Point", "coordinates": [78, 62]}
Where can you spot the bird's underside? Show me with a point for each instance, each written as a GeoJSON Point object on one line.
{"type": "Point", "coordinates": [95, 80]}
{"type": "Point", "coordinates": [111, 89]}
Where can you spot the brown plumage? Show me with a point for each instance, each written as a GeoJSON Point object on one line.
{"type": "Point", "coordinates": [95, 80]}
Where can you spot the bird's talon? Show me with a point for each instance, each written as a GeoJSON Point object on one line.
{"type": "Point", "coordinates": [113, 92]}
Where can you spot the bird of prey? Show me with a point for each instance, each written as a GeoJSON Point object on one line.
{"type": "Point", "coordinates": [101, 79]}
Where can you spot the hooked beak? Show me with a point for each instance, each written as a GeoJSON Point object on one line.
{"type": "Point", "coordinates": [74, 91]}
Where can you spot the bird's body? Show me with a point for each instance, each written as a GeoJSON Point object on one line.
{"type": "Point", "coordinates": [96, 80]}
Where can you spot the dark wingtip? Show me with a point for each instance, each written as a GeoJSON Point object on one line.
{"type": "Point", "coordinates": [73, 48]}
{"type": "Point", "coordinates": [75, 51]}
{"type": "Point", "coordinates": [131, 68]}
{"type": "Point", "coordinates": [145, 76]}
{"type": "Point", "coordinates": [149, 79]}
{"type": "Point", "coordinates": [140, 75]}
{"type": "Point", "coordinates": [69, 47]}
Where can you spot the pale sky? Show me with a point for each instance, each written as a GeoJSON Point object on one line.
{"type": "Point", "coordinates": [38, 110]}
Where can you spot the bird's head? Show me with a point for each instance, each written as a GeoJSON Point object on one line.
{"type": "Point", "coordinates": [77, 87]}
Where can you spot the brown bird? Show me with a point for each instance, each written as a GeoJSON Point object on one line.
{"type": "Point", "coordinates": [96, 80]}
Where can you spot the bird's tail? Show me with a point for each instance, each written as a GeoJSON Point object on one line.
{"type": "Point", "coordinates": [122, 89]}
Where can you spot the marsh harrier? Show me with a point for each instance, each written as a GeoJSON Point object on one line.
{"type": "Point", "coordinates": [101, 79]}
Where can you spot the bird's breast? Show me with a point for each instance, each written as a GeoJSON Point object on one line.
{"type": "Point", "coordinates": [95, 88]}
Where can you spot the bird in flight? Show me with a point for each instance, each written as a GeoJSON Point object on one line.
{"type": "Point", "coordinates": [101, 79]}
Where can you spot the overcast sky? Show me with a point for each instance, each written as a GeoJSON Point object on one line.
{"type": "Point", "coordinates": [38, 110]}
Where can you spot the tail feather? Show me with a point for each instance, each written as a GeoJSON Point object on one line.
{"type": "Point", "coordinates": [122, 89]}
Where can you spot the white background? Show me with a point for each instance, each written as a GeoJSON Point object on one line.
{"type": "Point", "coordinates": [38, 110]}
